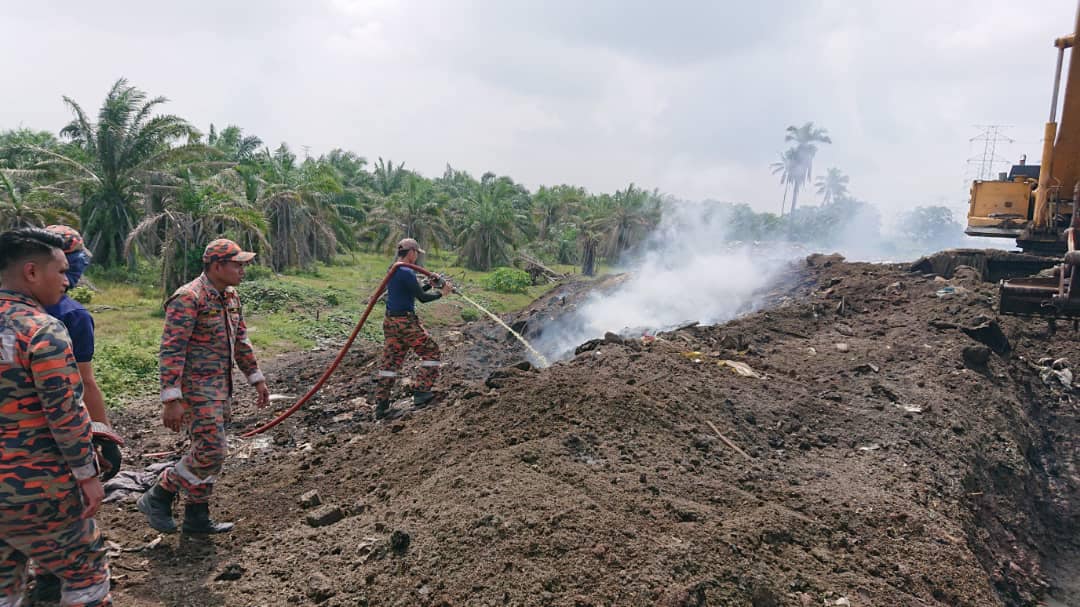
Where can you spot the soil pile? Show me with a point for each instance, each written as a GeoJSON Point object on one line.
{"type": "Point", "coordinates": [873, 437]}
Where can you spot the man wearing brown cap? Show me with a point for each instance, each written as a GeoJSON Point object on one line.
{"type": "Point", "coordinates": [403, 331]}
{"type": "Point", "coordinates": [204, 335]}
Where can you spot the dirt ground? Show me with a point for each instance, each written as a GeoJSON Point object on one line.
{"type": "Point", "coordinates": [876, 454]}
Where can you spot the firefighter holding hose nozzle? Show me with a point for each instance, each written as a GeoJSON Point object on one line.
{"type": "Point", "coordinates": [404, 332]}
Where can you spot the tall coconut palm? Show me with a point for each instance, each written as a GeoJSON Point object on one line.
{"type": "Point", "coordinates": [833, 186]}
{"type": "Point", "coordinates": [805, 138]}
{"type": "Point", "coordinates": [118, 152]}
{"type": "Point", "coordinates": [786, 168]}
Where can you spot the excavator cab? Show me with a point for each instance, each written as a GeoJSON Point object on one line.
{"type": "Point", "coordinates": [1003, 208]}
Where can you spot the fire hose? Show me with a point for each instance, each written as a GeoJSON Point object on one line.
{"type": "Point", "coordinates": [436, 281]}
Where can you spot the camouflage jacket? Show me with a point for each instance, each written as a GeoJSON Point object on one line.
{"type": "Point", "coordinates": [204, 334]}
{"type": "Point", "coordinates": [45, 434]}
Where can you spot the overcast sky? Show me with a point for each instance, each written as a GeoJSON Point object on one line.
{"type": "Point", "coordinates": [688, 97]}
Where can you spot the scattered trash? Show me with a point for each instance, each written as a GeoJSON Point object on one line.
{"type": "Point", "coordinates": [841, 347]}
{"type": "Point", "coordinates": [951, 291]}
{"type": "Point", "coordinates": [741, 368]}
{"type": "Point", "coordinates": [310, 499]}
{"type": "Point", "coordinates": [870, 447]}
{"type": "Point", "coordinates": [911, 408]}
{"type": "Point", "coordinates": [1064, 376]}
{"type": "Point", "coordinates": [811, 350]}
{"type": "Point", "coordinates": [116, 548]}
{"type": "Point", "coordinates": [693, 356]}
{"type": "Point", "coordinates": [246, 448]}
{"type": "Point", "coordinates": [866, 368]}
{"type": "Point", "coordinates": [276, 397]}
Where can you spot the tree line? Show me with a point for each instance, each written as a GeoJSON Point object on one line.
{"type": "Point", "coordinates": [140, 182]}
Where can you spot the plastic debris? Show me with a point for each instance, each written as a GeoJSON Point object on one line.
{"type": "Point", "coordinates": [951, 291]}
{"type": "Point", "coordinates": [693, 356]}
{"type": "Point", "coordinates": [741, 368]}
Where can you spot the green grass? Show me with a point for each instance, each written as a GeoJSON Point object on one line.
{"type": "Point", "coordinates": [286, 312]}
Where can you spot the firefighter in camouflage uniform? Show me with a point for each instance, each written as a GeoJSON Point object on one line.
{"type": "Point", "coordinates": [403, 332]}
{"type": "Point", "coordinates": [49, 485]}
{"type": "Point", "coordinates": [204, 335]}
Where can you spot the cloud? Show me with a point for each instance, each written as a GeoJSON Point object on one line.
{"type": "Point", "coordinates": [686, 96]}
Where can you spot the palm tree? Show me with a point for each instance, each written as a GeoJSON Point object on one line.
{"type": "Point", "coordinates": [386, 178]}
{"type": "Point", "coordinates": [833, 186]}
{"type": "Point", "coordinates": [590, 234]}
{"type": "Point", "coordinates": [786, 168]}
{"type": "Point", "coordinates": [31, 206]}
{"type": "Point", "coordinates": [411, 212]}
{"type": "Point", "coordinates": [491, 224]}
{"type": "Point", "coordinates": [118, 153]}
{"type": "Point", "coordinates": [233, 144]}
{"type": "Point", "coordinates": [193, 213]}
{"type": "Point", "coordinates": [805, 137]}
{"type": "Point", "coordinates": [631, 214]}
{"type": "Point", "coordinates": [307, 218]}
{"type": "Point", "coordinates": [552, 204]}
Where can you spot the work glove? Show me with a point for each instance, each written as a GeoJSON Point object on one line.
{"type": "Point", "coordinates": [107, 449]}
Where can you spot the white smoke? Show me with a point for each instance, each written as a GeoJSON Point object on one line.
{"type": "Point", "coordinates": [690, 270]}
{"type": "Point", "coordinates": [700, 265]}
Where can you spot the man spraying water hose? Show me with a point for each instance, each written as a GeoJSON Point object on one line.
{"type": "Point", "coordinates": [404, 332]}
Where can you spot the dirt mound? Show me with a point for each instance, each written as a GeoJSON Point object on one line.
{"type": "Point", "coordinates": [868, 439]}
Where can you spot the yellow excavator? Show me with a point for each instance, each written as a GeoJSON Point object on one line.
{"type": "Point", "coordinates": [1035, 205]}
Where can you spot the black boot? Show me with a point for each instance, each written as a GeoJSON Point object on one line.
{"type": "Point", "coordinates": [421, 399]}
{"type": "Point", "coordinates": [156, 504]}
{"type": "Point", "coordinates": [197, 520]}
{"type": "Point", "coordinates": [381, 408]}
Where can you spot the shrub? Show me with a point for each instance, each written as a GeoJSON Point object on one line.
{"type": "Point", "coordinates": [508, 280]}
{"type": "Point", "coordinates": [82, 294]}
{"type": "Point", "coordinates": [277, 296]}
{"type": "Point", "coordinates": [124, 369]}
{"type": "Point", "coordinates": [469, 314]}
{"type": "Point", "coordinates": [254, 272]}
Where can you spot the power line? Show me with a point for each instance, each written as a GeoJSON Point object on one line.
{"type": "Point", "coordinates": [989, 135]}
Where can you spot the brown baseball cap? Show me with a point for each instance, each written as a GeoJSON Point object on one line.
{"type": "Point", "coordinates": [224, 249]}
{"type": "Point", "coordinates": [410, 244]}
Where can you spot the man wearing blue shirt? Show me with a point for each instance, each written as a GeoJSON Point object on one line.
{"type": "Point", "coordinates": [403, 331]}
{"type": "Point", "coordinates": [79, 323]}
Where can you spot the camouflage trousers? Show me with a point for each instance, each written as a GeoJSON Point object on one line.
{"type": "Point", "coordinates": [50, 532]}
{"type": "Point", "coordinates": [195, 471]}
{"type": "Point", "coordinates": [405, 333]}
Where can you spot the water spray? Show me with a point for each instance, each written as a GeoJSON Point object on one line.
{"type": "Point", "coordinates": [539, 357]}
{"type": "Point", "coordinates": [436, 281]}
